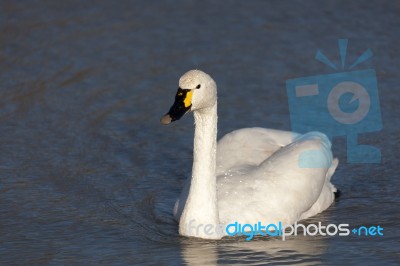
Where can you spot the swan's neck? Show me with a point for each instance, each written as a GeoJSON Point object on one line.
{"type": "Point", "coordinates": [201, 206]}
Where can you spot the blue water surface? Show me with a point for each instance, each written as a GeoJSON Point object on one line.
{"type": "Point", "coordinates": [89, 176]}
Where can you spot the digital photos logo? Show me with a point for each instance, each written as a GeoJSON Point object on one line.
{"type": "Point", "coordinates": [282, 230]}
{"type": "Point", "coordinates": [338, 104]}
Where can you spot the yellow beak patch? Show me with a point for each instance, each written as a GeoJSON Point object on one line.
{"type": "Point", "coordinates": [188, 99]}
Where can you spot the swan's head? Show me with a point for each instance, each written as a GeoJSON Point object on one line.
{"type": "Point", "coordinates": [197, 91]}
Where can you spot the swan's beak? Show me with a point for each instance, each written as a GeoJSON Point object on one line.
{"type": "Point", "coordinates": [182, 104]}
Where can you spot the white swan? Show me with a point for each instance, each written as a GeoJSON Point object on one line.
{"type": "Point", "coordinates": [252, 175]}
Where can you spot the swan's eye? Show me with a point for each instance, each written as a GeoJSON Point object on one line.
{"type": "Point", "coordinates": [198, 86]}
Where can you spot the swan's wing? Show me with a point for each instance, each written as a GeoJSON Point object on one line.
{"type": "Point", "coordinates": [281, 188]}
{"type": "Point", "coordinates": [299, 176]}
{"type": "Point", "coordinates": [250, 146]}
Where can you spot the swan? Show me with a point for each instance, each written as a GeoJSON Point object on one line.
{"type": "Point", "coordinates": [251, 174]}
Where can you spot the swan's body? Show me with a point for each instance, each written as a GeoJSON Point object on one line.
{"type": "Point", "coordinates": [252, 175]}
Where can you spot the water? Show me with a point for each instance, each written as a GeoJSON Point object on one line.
{"type": "Point", "coordinates": [87, 173]}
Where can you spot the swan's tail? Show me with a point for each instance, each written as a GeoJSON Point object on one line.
{"type": "Point", "coordinates": [328, 191]}
{"type": "Point", "coordinates": [332, 168]}
{"type": "Point", "coordinates": [328, 194]}
{"type": "Point", "coordinates": [330, 172]}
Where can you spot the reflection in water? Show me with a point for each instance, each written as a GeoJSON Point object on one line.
{"type": "Point", "coordinates": [298, 250]}
{"type": "Point", "coordinates": [197, 252]}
